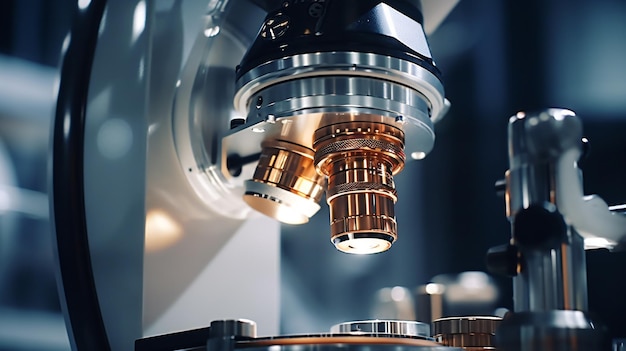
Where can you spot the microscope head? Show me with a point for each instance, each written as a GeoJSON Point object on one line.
{"type": "Point", "coordinates": [338, 95]}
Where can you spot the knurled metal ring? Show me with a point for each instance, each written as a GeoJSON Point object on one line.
{"type": "Point", "coordinates": [358, 144]}
{"type": "Point", "coordinates": [466, 325]}
{"type": "Point", "coordinates": [361, 187]}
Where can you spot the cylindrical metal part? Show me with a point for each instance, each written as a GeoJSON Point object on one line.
{"type": "Point", "coordinates": [429, 302]}
{"type": "Point", "coordinates": [474, 333]}
{"type": "Point", "coordinates": [383, 327]}
{"type": "Point", "coordinates": [551, 277]}
{"type": "Point", "coordinates": [236, 328]}
{"type": "Point", "coordinates": [536, 141]}
{"type": "Point", "coordinates": [391, 28]}
{"type": "Point", "coordinates": [360, 159]}
{"type": "Point", "coordinates": [223, 334]}
{"type": "Point", "coordinates": [551, 330]}
{"type": "Point", "coordinates": [286, 185]}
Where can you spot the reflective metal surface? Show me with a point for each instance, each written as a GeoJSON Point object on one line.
{"type": "Point", "coordinates": [383, 327]}
{"type": "Point", "coordinates": [360, 158]}
{"type": "Point", "coordinates": [546, 253]}
{"type": "Point", "coordinates": [351, 342]}
{"type": "Point", "coordinates": [282, 100]}
{"type": "Point", "coordinates": [292, 111]}
{"type": "Point", "coordinates": [230, 335]}
{"type": "Point", "coordinates": [201, 109]}
{"type": "Point", "coordinates": [543, 153]}
{"type": "Point", "coordinates": [550, 330]}
{"type": "Point", "coordinates": [351, 106]}
{"type": "Point", "coordinates": [285, 185]}
{"type": "Point", "coordinates": [353, 64]}
{"type": "Point", "coordinates": [471, 333]}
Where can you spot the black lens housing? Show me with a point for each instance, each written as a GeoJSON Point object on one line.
{"type": "Point", "coordinates": [299, 27]}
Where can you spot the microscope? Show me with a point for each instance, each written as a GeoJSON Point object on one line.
{"type": "Point", "coordinates": [323, 99]}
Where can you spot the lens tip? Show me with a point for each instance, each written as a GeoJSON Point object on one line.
{"type": "Point", "coordinates": [363, 243]}
{"type": "Point", "coordinates": [278, 203]}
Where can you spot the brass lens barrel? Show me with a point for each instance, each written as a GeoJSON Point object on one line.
{"type": "Point", "coordinates": [360, 159]}
{"type": "Point", "coordinates": [285, 185]}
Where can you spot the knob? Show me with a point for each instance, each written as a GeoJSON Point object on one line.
{"type": "Point", "coordinates": [539, 226]}
{"type": "Point", "coordinates": [504, 260]}
{"type": "Point", "coordinates": [236, 328]}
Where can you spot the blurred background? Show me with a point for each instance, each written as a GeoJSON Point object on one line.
{"type": "Point", "coordinates": [31, 33]}
{"type": "Point", "coordinates": [498, 57]}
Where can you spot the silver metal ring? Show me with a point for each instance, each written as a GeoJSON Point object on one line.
{"type": "Point", "coordinates": [306, 207]}
{"type": "Point", "coordinates": [340, 93]}
{"type": "Point", "coordinates": [312, 96]}
{"type": "Point", "coordinates": [240, 328]}
{"type": "Point", "coordinates": [355, 64]}
{"type": "Point", "coordinates": [385, 327]}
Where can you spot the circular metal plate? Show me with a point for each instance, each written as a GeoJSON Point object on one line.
{"type": "Point", "coordinates": [384, 327]}
{"type": "Point", "coordinates": [331, 342]}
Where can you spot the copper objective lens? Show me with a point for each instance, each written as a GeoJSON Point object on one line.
{"type": "Point", "coordinates": [285, 185]}
{"type": "Point", "coordinates": [360, 159]}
